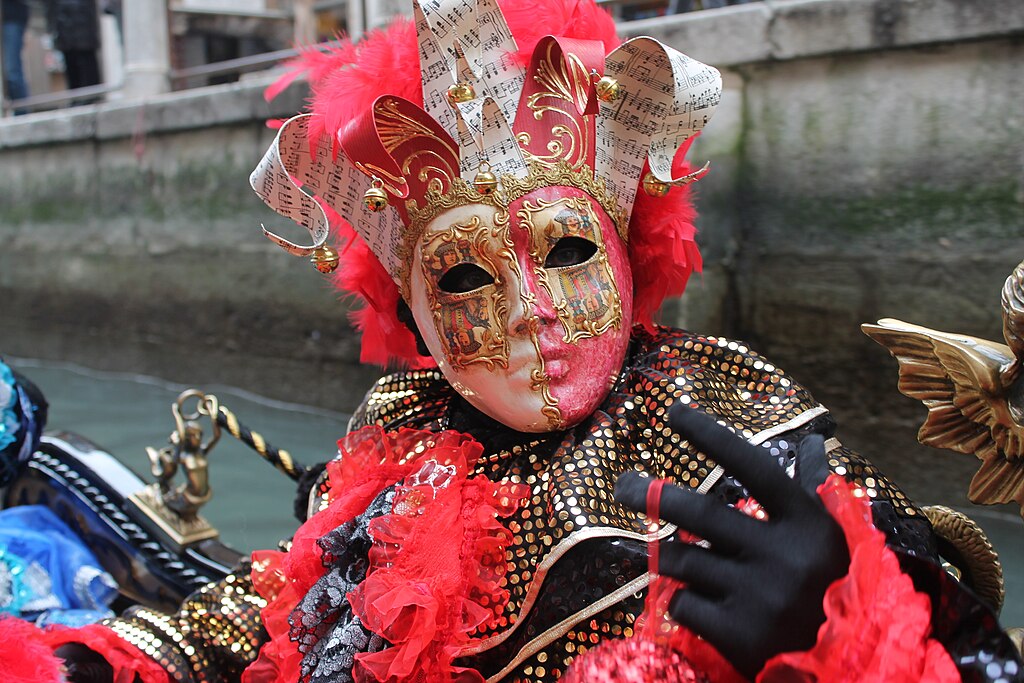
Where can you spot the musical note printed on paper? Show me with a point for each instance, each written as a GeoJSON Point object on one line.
{"type": "Point", "coordinates": [293, 181]}
{"type": "Point", "coordinates": [466, 41]}
{"type": "Point", "coordinates": [484, 135]}
{"type": "Point", "coordinates": [666, 98]}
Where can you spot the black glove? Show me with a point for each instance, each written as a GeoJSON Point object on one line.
{"type": "Point", "coordinates": [758, 590]}
{"type": "Point", "coordinates": [84, 665]}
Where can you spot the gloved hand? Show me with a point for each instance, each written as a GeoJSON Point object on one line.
{"type": "Point", "coordinates": [758, 590]}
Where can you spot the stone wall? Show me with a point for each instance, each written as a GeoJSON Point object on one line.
{"type": "Point", "coordinates": [870, 164]}
{"type": "Point", "coordinates": [867, 162]}
{"type": "Point", "coordinates": [132, 242]}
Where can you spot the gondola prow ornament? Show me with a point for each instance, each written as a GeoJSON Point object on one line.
{"type": "Point", "coordinates": [174, 508]}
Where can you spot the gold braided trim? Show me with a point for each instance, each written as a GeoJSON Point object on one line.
{"type": "Point", "coordinates": [286, 462]}
{"type": "Point", "coordinates": [561, 173]}
{"type": "Point", "coordinates": [232, 423]}
{"type": "Point", "coordinates": [983, 571]}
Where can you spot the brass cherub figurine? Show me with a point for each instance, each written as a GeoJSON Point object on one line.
{"type": "Point", "coordinates": [974, 392]}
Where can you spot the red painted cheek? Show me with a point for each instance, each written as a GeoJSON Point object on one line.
{"type": "Point", "coordinates": [592, 365]}
{"type": "Point", "coordinates": [595, 361]}
{"type": "Point", "coordinates": [581, 373]}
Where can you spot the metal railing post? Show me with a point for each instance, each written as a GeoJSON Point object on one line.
{"type": "Point", "coordinates": [147, 53]}
{"type": "Point", "coordinates": [304, 27]}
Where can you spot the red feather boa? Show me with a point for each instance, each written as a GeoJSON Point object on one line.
{"type": "Point", "coordinates": [435, 569]}
{"type": "Point", "coordinates": [26, 653]}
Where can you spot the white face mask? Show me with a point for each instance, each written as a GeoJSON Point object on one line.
{"type": "Point", "coordinates": [522, 309]}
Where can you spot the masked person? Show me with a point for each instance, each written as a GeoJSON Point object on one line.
{"type": "Point", "coordinates": [481, 521]}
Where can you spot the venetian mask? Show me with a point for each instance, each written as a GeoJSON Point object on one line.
{"type": "Point", "coordinates": [527, 310]}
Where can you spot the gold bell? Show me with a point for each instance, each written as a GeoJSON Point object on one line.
{"type": "Point", "coordinates": [655, 187]}
{"type": "Point", "coordinates": [375, 198]}
{"type": "Point", "coordinates": [460, 92]}
{"type": "Point", "coordinates": [325, 259]}
{"type": "Point", "coordinates": [608, 89]}
{"type": "Point", "coordinates": [485, 181]}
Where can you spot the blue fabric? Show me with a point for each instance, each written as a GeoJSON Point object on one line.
{"type": "Point", "coordinates": [9, 400]}
{"type": "Point", "coordinates": [46, 573]}
{"type": "Point", "coordinates": [15, 87]}
{"type": "Point", "coordinates": [22, 416]}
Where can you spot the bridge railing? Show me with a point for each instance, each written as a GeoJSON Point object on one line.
{"type": "Point", "coordinates": [148, 67]}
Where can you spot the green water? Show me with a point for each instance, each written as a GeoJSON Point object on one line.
{"type": "Point", "coordinates": [252, 503]}
{"type": "Point", "coordinates": [124, 413]}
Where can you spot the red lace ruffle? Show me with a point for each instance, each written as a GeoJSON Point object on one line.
{"type": "Point", "coordinates": [877, 625]}
{"type": "Point", "coordinates": [435, 572]}
{"type": "Point", "coordinates": [435, 568]}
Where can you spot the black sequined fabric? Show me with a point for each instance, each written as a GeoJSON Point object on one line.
{"type": "Point", "coordinates": [965, 626]}
{"type": "Point", "coordinates": [575, 551]}
{"type": "Point", "coordinates": [576, 571]}
{"type": "Point", "coordinates": [328, 634]}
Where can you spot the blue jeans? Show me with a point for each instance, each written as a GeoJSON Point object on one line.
{"type": "Point", "coordinates": [13, 36]}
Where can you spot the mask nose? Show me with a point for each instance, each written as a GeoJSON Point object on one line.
{"type": "Point", "coordinates": [531, 307]}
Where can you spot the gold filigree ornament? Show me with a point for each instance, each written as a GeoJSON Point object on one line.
{"type": "Point", "coordinates": [375, 198]}
{"type": "Point", "coordinates": [974, 392]}
{"type": "Point", "coordinates": [564, 87]}
{"type": "Point", "coordinates": [562, 173]}
{"type": "Point", "coordinates": [574, 329]}
{"type": "Point", "coordinates": [435, 202]}
{"type": "Point", "coordinates": [494, 347]}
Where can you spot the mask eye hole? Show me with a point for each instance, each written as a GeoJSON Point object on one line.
{"type": "Point", "coordinates": [570, 251]}
{"type": "Point", "coordinates": [464, 277]}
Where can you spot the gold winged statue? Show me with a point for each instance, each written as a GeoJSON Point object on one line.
{"type": "Point", "coordinates": [974, 392]}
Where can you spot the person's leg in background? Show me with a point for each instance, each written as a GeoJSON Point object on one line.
{"type": "Point", "coordinates": [13, 38]}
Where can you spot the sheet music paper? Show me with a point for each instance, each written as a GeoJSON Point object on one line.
{"type": "Point", "coordinates": [289, 178]}
{"type": "Point", "coordinates": [484, 135]}
{"type": "Point", "coordinates": [435, 74]}
{"type": "Point", "coordinates": [665, 98]}
{"type": "Point", "coordinates": [466, 40]}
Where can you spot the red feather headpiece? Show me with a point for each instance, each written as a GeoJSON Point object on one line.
{"type": "Point", "coordinates": [416, 110]}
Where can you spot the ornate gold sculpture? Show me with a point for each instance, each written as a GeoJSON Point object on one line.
{"type": "Point", "coordinates": [974, 392]}
{"type": "Point", "coordinates": [175, 509]}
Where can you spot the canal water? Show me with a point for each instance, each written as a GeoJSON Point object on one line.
{"type": "Point", "coordinates": [125, 413]}
{"type": "Point", "coordinates": [252, 502]}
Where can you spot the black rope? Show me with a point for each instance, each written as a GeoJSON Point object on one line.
{"type": "Point", "coordinates": [279, 458]}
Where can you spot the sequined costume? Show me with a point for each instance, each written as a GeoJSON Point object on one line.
{"type": "Point", "coordinates": [513, 207]}
{"type": "Point", "coordinates": [577, 562]}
